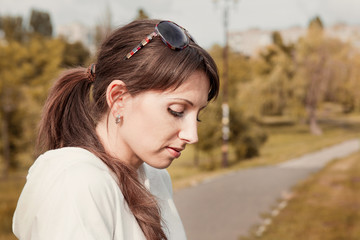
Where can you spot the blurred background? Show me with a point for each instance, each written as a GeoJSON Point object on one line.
{"type": "Point", "coordinates": [290, 74]}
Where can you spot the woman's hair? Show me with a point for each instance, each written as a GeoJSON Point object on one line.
{"type": "Point", "coordinates": [75, 104]}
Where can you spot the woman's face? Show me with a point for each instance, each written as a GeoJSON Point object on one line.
{"type": "Point", "coordinates": [157, 125]}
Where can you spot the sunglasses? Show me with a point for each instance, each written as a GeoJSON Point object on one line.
{"type": "Point", "coordinates": [173, 35]}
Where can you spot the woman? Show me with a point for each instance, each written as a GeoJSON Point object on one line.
{"type": "Point", "coordinates": [109, 131]}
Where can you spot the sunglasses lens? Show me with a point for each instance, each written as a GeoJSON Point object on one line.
{"type": "Point", "coordinates": [173, 34]}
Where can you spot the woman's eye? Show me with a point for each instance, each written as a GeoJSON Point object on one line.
{"type": "Point", "coordinates": [175, 113]}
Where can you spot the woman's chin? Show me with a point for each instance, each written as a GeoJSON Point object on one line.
{"type": "Point", "coordinates": [161, 165]}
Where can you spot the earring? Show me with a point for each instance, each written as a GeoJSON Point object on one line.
{"type": "Point", "coordinates": [118, 119]}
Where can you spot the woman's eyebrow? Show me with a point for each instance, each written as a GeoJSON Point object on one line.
{"type": "Point", "coordinates": [186, 100]}
{"type": "Point", "coordinates": [189, 102]}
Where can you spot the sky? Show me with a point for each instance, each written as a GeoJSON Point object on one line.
{"type": "Point", "coordinates": [202, 18]}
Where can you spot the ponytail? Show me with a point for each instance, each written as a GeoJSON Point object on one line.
{"type": "Point", "coordinates": [66, 116]}
{"type": "Point", "coordinates": [68, 120]}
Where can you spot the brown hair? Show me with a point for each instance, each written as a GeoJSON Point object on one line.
{"type": "Point", "coordinates": [75, 104]}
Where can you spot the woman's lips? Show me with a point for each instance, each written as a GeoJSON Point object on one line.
{"type": "Point", "coordinates": [175, 152]}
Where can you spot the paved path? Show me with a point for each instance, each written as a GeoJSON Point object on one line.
{"type": "Point", "coordinates": [228, 206]}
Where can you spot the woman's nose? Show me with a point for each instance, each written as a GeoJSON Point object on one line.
{"type": "Point", "coordinates": [188, 132]}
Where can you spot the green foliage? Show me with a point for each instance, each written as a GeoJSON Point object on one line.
{"type": "Point", "coordinates": [348, 90]}
{"type": "Point", "coordinates": [278, 41]}
{"type": "Point", "coordinates": [11, 73]}
{"type": "Point", "coordinates": [9, 193]}
{"type": "Point", "coordinates": [297, 79]}
{"type": "Point", "coordinates": [40, 23]}
{"type": "Point", "coordinates": [12, 26]}
{"type": "Point", "coordinates": [141, 15]}
{"type": "Point", "coordinates": [26, 71]}
{"type": "Point", "coordinates": [75, 54]}
{"type": "Point", "coordinates": [209, 130]}
{"type": "Point", "coordinates": [27, 67]}
{"type": "Point", "coordinates": [316, 23]}
{"type": "Point", "coordinates": [320, 64]}
{"type": "Point", "coordinates": [246, 137]}
{"type": "Point", "coordinates": [15, 30]}
{"type": "Point", "coordinates": [270, 91]}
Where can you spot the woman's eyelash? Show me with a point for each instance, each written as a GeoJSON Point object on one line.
{"type": "Point", "coordinates": [175, 113]}
{"type": "Point", "coordinates": [179, 114]}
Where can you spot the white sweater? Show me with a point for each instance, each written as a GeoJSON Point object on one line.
{"type": "Point", "coordinates": [71, 194]}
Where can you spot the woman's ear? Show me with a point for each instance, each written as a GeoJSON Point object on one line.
{"type": "Point", "coordinates": [116, 94]}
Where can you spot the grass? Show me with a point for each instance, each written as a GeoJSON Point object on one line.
{"type": "Point", "coordinates": [284, 142]}
{"type": "Point", "coordinates": [324, 207]}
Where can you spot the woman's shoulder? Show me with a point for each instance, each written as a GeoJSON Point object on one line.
{"type": "Point", "coordinates": [66, 187]}
{"type": "Point", "coordinates": [72, 168]}
{"type": "Point", "coordinates": [67, 156]}
{"type": "Point", "coordinates": [68, 159]}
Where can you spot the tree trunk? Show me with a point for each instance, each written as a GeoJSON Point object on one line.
{"type": "Point", "coordinates": [314, 127]}
{"type": "Point", "coordinates": [316, 89]}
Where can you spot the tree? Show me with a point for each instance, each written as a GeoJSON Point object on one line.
{"type": "Point", "coordinates": [12, 26]}
{"type": "Point", "coordinates": [40, 23]}
{"type": "Point", "coordinates": [295, 79]}
{"type": "Point", "coordinates": [312, 54]}
{"type": "Point", "coordinates": [12, 70]}
{"type": "Point", "coordinates": [75, 54]}
{"type": "Point", "coordinates": [246, 137]}
{"type": "Point", "coordinates": [270, 90]}
{"type": "Point", "coordinates": [323, 68]}
{"type": "Point", "coordinates": [348, 92]}
{"type": "Point", "coordinates": [28, 63]}
{"type": "Point", "coordinates": [26, 71]}
{"type": "Point", "coordinates": [209, 129]}
{"type": "Point", "coordinates": [141, 15]}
